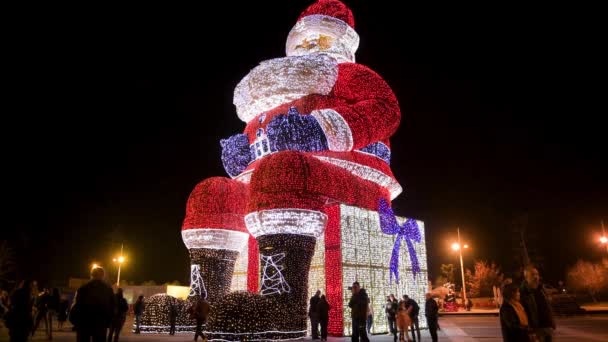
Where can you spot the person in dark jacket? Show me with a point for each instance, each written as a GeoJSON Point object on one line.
{"type": "Point", "coordinates": [52, 310]}
{"type": "Point", "coordinates": [41, 304]}
{"type": "Point", "coordinates": [199, 311]}
{"type": "Point", "coordinates": [119, 317]}
{"type": "Point", "coordinates": [93, 308]}
{"type": "Point", "coordinates": [536, 304]}
{"type": "Point", "coordinates": [358, 305]}
{"type": "Point", "coordinates": [513, 317]}
{"type": "Point", "coordinates": [323, 308]}
{"type": "Point", "coordinates": [62, 314]}
{"type": "Point", "coordinates": [138, 311]}
{"type": "Point", "coordinates": [431, 311]}
{"type": "Point", "coordinates": [18, 319]}
{"type": "Point", "coordinates": [172, 317]}
{"type": "Point", "coordinates": [414, 312]}
{"type": "Point", "coordinates": [390, 308]}
{"type": "Point", "coordinates": [313, 313]}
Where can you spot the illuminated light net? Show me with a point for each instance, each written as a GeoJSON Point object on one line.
{"type": "Point", "coordinates": [273, 281]}
{"type": "Point", "coordinates": [308, 173]}
{"type": "Point", "coordinates": [197, 285]}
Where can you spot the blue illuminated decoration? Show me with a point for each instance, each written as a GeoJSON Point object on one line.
{"type": "Point", "coordinates": [296, 132]}
{"type": "Point", "coordinates": [378, 149]}
{"type": "Point", "coordinates": [408, 231]}
{"type": "Point", "coordinates": [236, 154]}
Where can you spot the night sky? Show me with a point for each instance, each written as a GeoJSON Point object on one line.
{"type": "Point", "coordinates": [108, 126]}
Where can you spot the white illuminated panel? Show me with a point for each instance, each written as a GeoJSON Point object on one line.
{"type": "Point", "coordinates": [366, 254]}
{"type": "Point", "coordinates": [239, 277]}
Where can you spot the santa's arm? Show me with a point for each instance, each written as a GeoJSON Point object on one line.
{"type": "Point", "coordinates": [366, 110]}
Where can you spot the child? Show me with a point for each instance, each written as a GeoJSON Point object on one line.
{"type": "Point", "coordinates": [403, 322]}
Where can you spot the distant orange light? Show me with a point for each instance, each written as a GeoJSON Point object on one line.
{"type": "Point", "coordinates": [94, 266]}
{"type": "Point", "coordinates": [604, 239]}
{"type": "Point", "coordinates": [466, 246]}
{"type": "Point", "coordinates": [455, 246]}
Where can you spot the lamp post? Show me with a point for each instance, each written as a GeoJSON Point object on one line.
{"type": "Point", "coordinates": [119, 260]}
{"type": "Point", "coordinates": [457, 247]}
{"type": "Point", "coordinates": [604, 238]}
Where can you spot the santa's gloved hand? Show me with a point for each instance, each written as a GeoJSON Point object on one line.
{"type": "Point", "coordinates": [236, 154]}
{"type": "Point", "coordinates": [295, 132]}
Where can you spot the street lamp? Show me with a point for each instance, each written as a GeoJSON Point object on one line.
{"type": "Point", "coordinates": [456, 247]}
{"type": "Point", "coordinates": [94, 266]}
{"type": "Point", "coordinates": [120, 259]}
{"type": "Point", "coordinates": [604, 238]}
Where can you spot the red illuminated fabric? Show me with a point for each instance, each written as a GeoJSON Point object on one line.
{"type": "Point", "coordinates": [217, 202]}
{"type": "Point", "coordinates": [253, 266]}
{"type": "Point", "coordinates": [333, 270]}
{"type": "Point", "coordinates": [292, 179]}
{"type": "Point", "coordinates": [332, 8]}
{"type": "Point", "coordinates": [360, 96]}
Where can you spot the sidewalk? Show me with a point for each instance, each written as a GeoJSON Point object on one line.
{"type": "Point", "coordinates": [473, 312]}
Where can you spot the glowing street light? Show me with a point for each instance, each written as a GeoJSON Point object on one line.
{"type": "Point", "coordinates": [456, 247]}
{"type": "Point", "coordinates": [604, 238]}
{"type": "Point", "coordinates": [120, 259]}
{"type": "Point", "coordinates": [94, 266]}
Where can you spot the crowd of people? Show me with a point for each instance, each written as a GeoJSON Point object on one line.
{"type": "Point", "coordinates": [96, 313]}
{"type": "Point", "coordinates": [402, 315]}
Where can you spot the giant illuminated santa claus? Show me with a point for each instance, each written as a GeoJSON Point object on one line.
{"type": "Point", "coordinates": [317, 133]}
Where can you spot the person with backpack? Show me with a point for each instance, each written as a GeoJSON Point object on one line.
{"type": "Point", "coordinates": [414, 312]}
{"type": "Point", "coordinates": [138, 310]}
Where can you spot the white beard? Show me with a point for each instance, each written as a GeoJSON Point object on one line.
{"type": "Point", "coordinates": [281, 80]}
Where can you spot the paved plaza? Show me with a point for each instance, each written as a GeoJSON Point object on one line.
{"type": "Point", "coordinates": [454, 328]}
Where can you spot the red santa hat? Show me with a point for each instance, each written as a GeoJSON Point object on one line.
{"type": "Point", "coordinates": [331, 8]}
{"type": "Point", "coordinates": [327, 26]}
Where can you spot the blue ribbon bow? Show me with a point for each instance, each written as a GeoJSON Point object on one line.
{"type": "Point", "coordinates": [408, 231]}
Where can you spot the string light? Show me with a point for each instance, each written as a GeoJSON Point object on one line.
{"type": "Point", "coordinates": [273, 281]}
{"type": "Point", "coordinates": [286, 221]}
{"type": "Point", "coordinates": [275, 314]}
{"type": "Point", "coordinates": [155, 318]}
{"type": "Point", "coordinates": [261, 90]}
{"type": "Point", "coordinates": [379, 150]}
{"type": "Point", "coordinates": [309, 171]}
{"type": "Point", "coordinates": [307, 35]}
{"type": "Point", "coordinates": [214, 239]}
{"type": "Point", "coordinates": [197, 285]}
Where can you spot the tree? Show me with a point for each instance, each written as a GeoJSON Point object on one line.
{"type": "Point", "coordinates": [447, 271]}
{"type": "Point", "coordinates": [588, 277]}
{"type": "Point", "coordinates": [480, 282]}
{"type": "Point", "coordinates": [7, 260]}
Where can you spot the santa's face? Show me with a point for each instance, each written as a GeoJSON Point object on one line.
{"type": "Point", "coordinates": [315, 42]}
{"type": "Point", "coordinates": [323, 34]}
